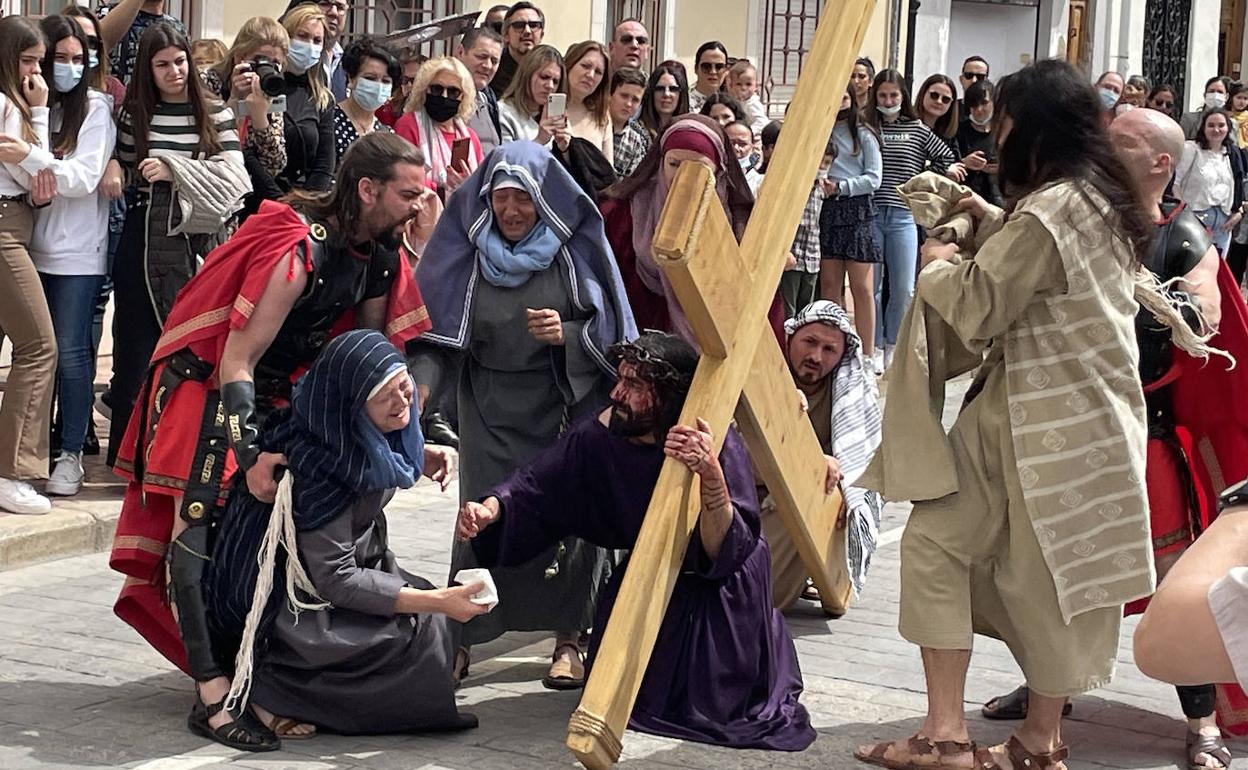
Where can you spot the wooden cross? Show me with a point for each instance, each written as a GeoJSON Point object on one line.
{"type": "Point", "coordinates": [725, 291]}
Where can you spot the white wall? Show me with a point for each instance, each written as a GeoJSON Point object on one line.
{"type": "Point", "coordinates": [931, 38]}
{"type": "Point", "coordinates": [1005, 35]}
{"type": "Point", "coordinates": [1202, 49]}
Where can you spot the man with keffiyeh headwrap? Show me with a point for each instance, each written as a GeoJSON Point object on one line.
{"type": "Point", "coordinates": [375, 657]}
{"type": "Point", "coordinates": [825, 358]}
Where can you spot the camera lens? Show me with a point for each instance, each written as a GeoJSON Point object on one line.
{"type": "Point", "coordinates": [271, 80]}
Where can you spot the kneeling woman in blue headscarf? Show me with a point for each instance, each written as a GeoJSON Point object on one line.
{"type": "Point", "coordinates": [372, 650]}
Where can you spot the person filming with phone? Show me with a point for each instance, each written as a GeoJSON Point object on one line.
{"type": "Point", "coordinates": [530, 108]}
{"type": "Point", "coordinates": [435, 120]}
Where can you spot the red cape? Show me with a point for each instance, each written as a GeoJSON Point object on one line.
{"type": "Point", "coordinates": [224, 293]}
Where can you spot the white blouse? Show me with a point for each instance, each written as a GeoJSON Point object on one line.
{"type": "Point", "coordinates": [1204, 179]}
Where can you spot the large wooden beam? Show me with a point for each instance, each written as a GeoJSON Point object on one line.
{"type": "Point", "coordinates": [597, 727]}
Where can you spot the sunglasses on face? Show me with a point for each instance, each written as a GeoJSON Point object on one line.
{"type": "Point", "coordinates": [408, 80]}
{"type": "Point", "coordinates": [330, 6]}
{"type": "Point", "coordinates": [630, 39]}
{"type": "Point", "coordinates": [939, 97]}
{"type": "Point", "coordinates": [712, 66]}
{"type": "Point", "coordinates": [520, 26]}
{"type": "Point", "coordinates": [667, 89]}
{"type": "Point", "coordinates": [497, 26]}
{"type": "Point", "coordinates": [450, 92]}
{"type": "Point", "coordinates": [974, 76]}
{"type": "Point", "coordinates": [1163, 105]}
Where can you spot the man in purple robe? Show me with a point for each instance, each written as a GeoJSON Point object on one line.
{"type": "Point", "coordinates": [724, 670]}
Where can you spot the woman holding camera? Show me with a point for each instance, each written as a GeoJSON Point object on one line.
{"type": "Point", "coordinates": [372, 72]}
{"type": "Point", "coordinates": [250, 77]}
{"type": "Point", "coordinates": [443, 98]}
{"type": "Point", "coordinates": [69, 242]}
{"type": "Point", "coordinates": [181, 155]}
{"type": "Point", "coordinates": [309, 115]}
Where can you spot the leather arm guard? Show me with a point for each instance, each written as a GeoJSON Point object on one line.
{"type": "Point", "coordinates": [239, 401]}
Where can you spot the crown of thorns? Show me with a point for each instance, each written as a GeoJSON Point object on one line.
{"type": "Point", "coordinates": [649, 366]}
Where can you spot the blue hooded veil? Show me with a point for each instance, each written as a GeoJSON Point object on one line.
{"type": "Point", "coordinates": [450, 268]}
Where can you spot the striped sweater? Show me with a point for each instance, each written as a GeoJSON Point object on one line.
{"type": "Point", "coordinates": [173, 132]}
{"type": "Point", "coordinates": [907, 146]}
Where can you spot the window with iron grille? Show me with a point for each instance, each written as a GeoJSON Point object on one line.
{"type": "Point", "coordinates": [788, 32]}
{"type": "Point", "coordinates": [651, 13]}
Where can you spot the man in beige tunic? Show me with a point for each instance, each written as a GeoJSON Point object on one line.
{"type": "Point", "coordinates": [1045, 534]}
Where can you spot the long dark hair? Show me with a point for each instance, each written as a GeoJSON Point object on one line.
{"type": "Point", "coordinates": [871, 115]}
{"type": "Point", "coordinates": [17, 34]}
{"type": "Point", "coordinates": [946, 125]}
{"type": "Point", "coordinates": [99, 73]}
{"type": "Point", "coordinates": [1164, 88]}
{"type": "Point", "coordinates": [142, 94]}
{"type": "Point", "coordinates": [74, 102]}
{"type": "Point", "coordinates": [1202, 141]}
{"type": "Point", "coordinates": [853, 121]}
{"type": "Point", "coordinates": [650, 115]}
{"type": "Point", "coordinates": [726, 99]}
{"type": "Point", "coordinates": [372, 156]}
{"type": "Point", "coordinates": [1057, 133]}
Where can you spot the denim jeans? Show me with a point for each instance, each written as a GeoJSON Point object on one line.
{"type": "Point", "coordinates": [71, 301]}
{"type": "Point", "coordinates": [899, 240]}
{"type": "Point", "coordinates": [1214, 219]}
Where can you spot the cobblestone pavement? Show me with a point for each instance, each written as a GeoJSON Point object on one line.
{"type": "Point", "coordinates": [79, 689]}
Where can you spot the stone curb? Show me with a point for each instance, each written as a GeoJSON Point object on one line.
{"type": "Point", "coordinates": [71, 528]}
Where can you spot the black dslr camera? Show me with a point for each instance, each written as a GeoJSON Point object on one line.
{"type": "Point", "coordinates": [272, 82]}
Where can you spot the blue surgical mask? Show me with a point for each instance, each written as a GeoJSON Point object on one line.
{"type": "Point", "coordinates": [93, 59]}
{"type": "Point", "coordinates": [747, 162]}
{"type": "Point", "coordinates": [65, 77]}
{"type": "Point", "coordinates": [1108, 97]}
{"type": "Point", "coordinates": [302, 56]}
{"type": "Point", "coordinates": [370, 94]}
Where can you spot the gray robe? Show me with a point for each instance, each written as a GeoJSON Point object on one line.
{"type": "Point", "coordinates": [516, 395]}
{"type": "Point", "coordinates": [357, 667]}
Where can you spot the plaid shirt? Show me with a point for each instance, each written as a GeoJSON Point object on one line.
{"type": "Point", "coordinates": [806, 242]}
{"type": "Point", "coordinates": [126, 53]}
{"type": "Point", "coordinates": [631, 145]}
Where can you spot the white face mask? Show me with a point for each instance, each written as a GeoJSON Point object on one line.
{"type": "Point", "coordinates": [981, 123]}
{"type": "Point", "coordinates": [65, 77]}
{"type": "Point", "coordinates": [302, 56]}
{"type": "Point", "coordinates": [370, 94]}
{"type": "Point", "coordinates": [1215, 100]}
{"type": "Point", "coordinates": [889, 112]}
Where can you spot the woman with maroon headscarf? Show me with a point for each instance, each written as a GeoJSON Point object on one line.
{"type": "Point", "coordinates": [631, 212]}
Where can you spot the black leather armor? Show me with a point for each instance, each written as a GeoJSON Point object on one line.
{"type": "Point", "coordinates": [1181, 243]}
{"type": "Point", "coordinates": [341, 278]}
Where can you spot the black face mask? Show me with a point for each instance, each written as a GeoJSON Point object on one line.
{"type": "Point", "coordinates": [441, 108]}
{"type": "Point", "coordinates": [842, 115]}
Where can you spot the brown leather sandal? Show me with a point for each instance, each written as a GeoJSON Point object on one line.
{"type": "Point", "coordinates": [1022, 759]}
{"type": "Point", "coordinates": [1213, 746]}
{"type": "Point", "coordinates": [918, 746]}
{"type": "Point", "coordinates": [565, 675]}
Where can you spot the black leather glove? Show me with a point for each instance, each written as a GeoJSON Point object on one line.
{"type": "Point", "coordinates": [239, 401]}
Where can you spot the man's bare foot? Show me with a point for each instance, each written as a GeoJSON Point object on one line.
{"type": "Point", "coordinates": [212, 692]}
{"type": "Point", "coordinates": [286, 729]}
{"type": "Point", "coordinates": [920, 751]}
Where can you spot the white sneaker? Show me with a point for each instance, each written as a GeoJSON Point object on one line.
{"type": "Point", "coordinates": [888, 355]}
{"type": "Point", "coordinates": [66, 479]}
{"type": "Point", "coordinates": [20, 497]}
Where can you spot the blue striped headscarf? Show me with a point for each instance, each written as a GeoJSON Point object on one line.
{"type": "Point", "coordinates": [333, 449]}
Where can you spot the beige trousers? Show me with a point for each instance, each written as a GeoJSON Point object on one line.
{"type": "Point", "coordinates": [25, 410]}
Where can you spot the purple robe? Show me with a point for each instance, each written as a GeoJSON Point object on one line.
{"type": "Point", "coordinates": [724, 669]}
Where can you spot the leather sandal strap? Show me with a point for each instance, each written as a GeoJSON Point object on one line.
{"type": "Point", "coordinates": [1213, 745]}
{"type": "Point", "coordinates": [948, 748]}
{"type": "Point", "coordinates": [1022, 759]}
{"type": "Point", "coordinates": [571, 646]}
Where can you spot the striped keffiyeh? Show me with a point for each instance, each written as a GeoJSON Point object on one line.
{"type": "Point", "coordinates": [856, 431]}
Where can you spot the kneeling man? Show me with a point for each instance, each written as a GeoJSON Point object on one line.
{"type": "Point", "coordinates": [724, 669]}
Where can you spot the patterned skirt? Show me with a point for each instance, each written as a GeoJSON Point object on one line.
{"type": "Point", "coordinates": [847, 230]}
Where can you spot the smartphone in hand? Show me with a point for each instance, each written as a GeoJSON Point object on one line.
{"type": "Point", "coordinates": [459, 153]}
{"type": "Point", "coordinates": [556, 105]}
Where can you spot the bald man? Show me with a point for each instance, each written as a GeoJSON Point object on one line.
{"type": "Point", "coordinates": [1150, 143]}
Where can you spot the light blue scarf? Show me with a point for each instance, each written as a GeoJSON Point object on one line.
{"type": "Point", "coordinates": [508, 266]}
